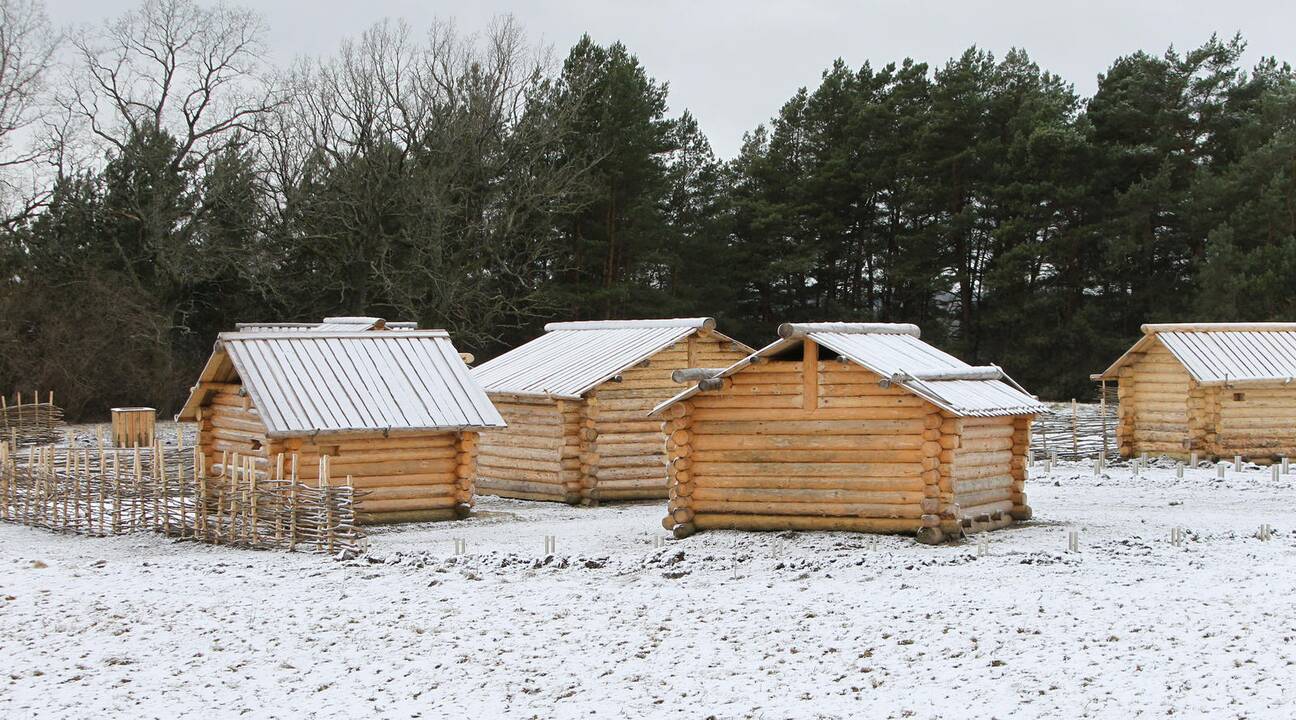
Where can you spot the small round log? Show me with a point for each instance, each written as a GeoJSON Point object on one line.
{"type": "Point", "coordinates": [930, 536]}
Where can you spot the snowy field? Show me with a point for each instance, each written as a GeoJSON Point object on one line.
{"type": "Point", "coordinates": [723, 624]}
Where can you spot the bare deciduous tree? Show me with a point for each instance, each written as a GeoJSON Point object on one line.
{"type": "Point", "coordinates": [423, 172]}
{"type": "Point", "coordinates": [27, 46]}
{"type": "Point", "coordinates": [195, 72]}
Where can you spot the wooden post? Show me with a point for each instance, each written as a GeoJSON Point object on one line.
{"type": "Point", "coordinates": [810, 373]}
{"type": "Point", "coordinates": [1075, 440]}
{"type": "Point", "coordinates": [292, 507]}
{"type": "Point", "coordinates": [1102, 410]}
{"type": "Point", "coordinates": [252, 490]}
{"type": "Point", "coordinates": [278, 486]}
{"type": "Point", "coordinates": [136, 508]}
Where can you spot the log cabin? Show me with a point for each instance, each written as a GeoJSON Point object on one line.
{"type": "Point", "coordinates": [396, 413]}
{"type": "Point", "coordinates": [849, 426]}
{"type": "Point", "coordinates": [577, 399]}
{"type": "Point", "coordinates": [1215, 389]}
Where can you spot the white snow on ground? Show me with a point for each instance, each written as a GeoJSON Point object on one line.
{"type": "Point", "coordinates": [723, 624]}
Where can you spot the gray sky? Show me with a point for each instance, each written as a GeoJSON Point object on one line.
{"type": "Point", "coordinates": [734, 63]}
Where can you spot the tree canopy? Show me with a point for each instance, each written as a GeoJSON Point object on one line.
{"type": "Point", "coordinates": [476, 183]}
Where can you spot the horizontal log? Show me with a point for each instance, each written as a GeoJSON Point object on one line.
{"type": "Point", "coordinates": [405, 516]}
{"type": "Point", "coordinates": [487, 472]}
{"type": "Point", "coordinates": [378, 481]}
{"type": "Point", "coordinates": [703, 425]}
{"type": "Point", "coordinates": [734, 521]}
{"type": "Point", "coordinates": [705, 441]}
{"type": "Point", "coordinates": [420, 503]}
{"type": "Point", "coordinates": [828, 509]}
{"type": "Point", "coordinates": [807, 456]}
{"type": "Point", "coordinates": [626, 449]}
{"type": "Point", "coordinates": [983, 497]}
{"type": "Point", "coordinates": [774, 415]}
{"type": "Point", "coordinates": [859, 484]}
{"type": "Point", "coordinates": [656, 460]}
{"type": "Point", "coordinates": [986, 509]}
{"type": "Point", "coordinates": [605, 494]}
{"type": "Point", "coordinates": [245, 423]}
{"type": "Point", "coordinates": [525, 453]}
{"type": "Point", "coordinates": [807, 495]}
{"type": "Point", "coordinates": [496, 485]}
{"type": "Point", "coordinates": [620, 428]}
{"type": "Point", "coordinates": [402, 492]}
{"type": "Point", "coordinates": [372, 443]}
{"type": "Point", "coordinates": [520, 440]}
{"type": "Point", "coordinates": [991, 482]}
{"type": "Point", "coordinates": [654, 436]}
{"type": "Point", "coordinates": [964, 457]}
{"type": "Point", "coordinates": [701, 469]}
{"type": "Point", "coordinates": [732, 402]}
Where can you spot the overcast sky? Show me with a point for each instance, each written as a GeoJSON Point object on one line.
{"type": "Point", "coordinates": [734, 63]}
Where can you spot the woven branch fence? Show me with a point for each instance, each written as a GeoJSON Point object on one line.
{"type": "Point", "coordinates": [108, 491]}
{"type": "Point", "coordinates": [32, 422]}
{"type": "Point", "coordinates": [1078, 431]}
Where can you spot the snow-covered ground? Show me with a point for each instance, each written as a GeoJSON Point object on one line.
{"type": "Point", "coordinates": [723, 624]}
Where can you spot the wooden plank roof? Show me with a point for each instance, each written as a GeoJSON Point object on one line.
{"type": "Point", "coordinates": [895, 352]}
{"type": "Point", "coordinates": [1222, 353]}
{"type": "Point", "coordinates": [572, 358]}
{"type": "Point", "coordinates": [333, 382]}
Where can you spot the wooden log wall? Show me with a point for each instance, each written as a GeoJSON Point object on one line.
{"type": "Point", "coordinates": [538, 456]}
{"type": "Point", "coordinates": [1203, 411]}
{"type": "Point", "coordinates": [1154, 394]}
{"type": "Point", "coordinates": [229, 423]}
{"type": "Point", "coordinates": [1165, 412]}
{"type": "Point", "coordinates": [778, 448]}
{"type": "Point", "coordinates": [628, 444]}
{"type": "Point", "coordinates": [401, 478]}
{"type": "Point", "coordinates": [985, 471]}
{"type": "Point", "coordinates": [601, 448]}
{"type": "Point", "coordinates": [1257, 422]}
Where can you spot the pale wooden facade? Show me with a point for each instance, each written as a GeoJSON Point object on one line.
{"type": "Point", "coordinates": [600, 445]}
{"type": "Point", "coordinates": [403, 477]}
{"type": "Point", "coordinates": [394, 414]}
{"type": "Point", "coordinates": [1216, 390]}
{"type": "Point", "coordinates": [804, 439]}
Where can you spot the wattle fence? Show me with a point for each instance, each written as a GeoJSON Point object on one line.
{"type": "Point", "coordinates": [1078, 431]}
{"type": "Point", "coordinates": [105, 491]}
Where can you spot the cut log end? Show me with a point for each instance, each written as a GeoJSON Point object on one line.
{"type": "Point", "coordinates": [930, 536]}
{"type": "Point", "coordinates": [683, 530]}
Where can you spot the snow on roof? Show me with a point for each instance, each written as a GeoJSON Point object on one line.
{"type": "Point", "coordinates": [1222, 353]}
{"type": "Point", "coordinates": [308, 383]}
{"type": "Point", "coordinates": [330, 324]}
{"type": "Point", "coordinates": [895, 352]}
{"type": "Point", "coordinates": [572, 358]}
